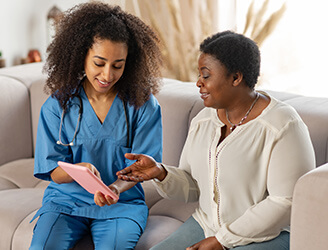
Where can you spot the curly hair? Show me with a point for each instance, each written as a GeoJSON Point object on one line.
{"type": "Point", "coordinates": [76, 33]}
{"type": "Point", "coordinates": [236, 52]}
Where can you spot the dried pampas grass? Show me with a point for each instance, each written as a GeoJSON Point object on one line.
{"type": "Point", "coordinates": [258, 28]}
{"type": "Point", "coordinates": [181, 25]}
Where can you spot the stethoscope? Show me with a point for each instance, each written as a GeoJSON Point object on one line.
{"type": "Point", "coordinates": [71, 143]}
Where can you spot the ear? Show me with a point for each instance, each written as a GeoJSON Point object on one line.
{"type": "Point", "coordinates": [237, 78]}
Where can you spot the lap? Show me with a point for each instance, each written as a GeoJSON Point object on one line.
{"type": "Point", "coordinates": [187, 234]}
{"type": "Point", "coordinates": [120, 233]}
{"type": "Point", "coordinates": [57, 231]}
{"type": "Point", "coordinates": [191, 232]}
{"type": "Point", "coordinates": [60, 231]}
{"type": "Point", "coordinates": [279, 243]}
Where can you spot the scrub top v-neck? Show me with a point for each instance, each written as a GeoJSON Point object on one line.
{"type": "Point", "coordinates": [103, 145]}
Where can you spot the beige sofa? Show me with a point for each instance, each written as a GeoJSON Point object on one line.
{"type": "Point", "coordinates": [21, 96]}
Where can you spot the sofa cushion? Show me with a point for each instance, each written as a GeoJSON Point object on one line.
{"type": "Point", "coordinates": [180, 102]}
{"type": "Point", "coordinates": [158, 228]}
{"type": "Point", "coordinates": [24, 232]}
{"type": "Point", "coordinates": [173, 209]}
{"type": "Point", "coordinates": [38, 97]}
{"type": "Point", "coordinates": [15, 174]}
{"type": "Point", "coordinates": [15, 125]}
{"type": "Point", "coordinates": [16, 205]}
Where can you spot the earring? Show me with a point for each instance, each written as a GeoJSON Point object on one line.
{"type": "Point", "coordinates": [82, 75]}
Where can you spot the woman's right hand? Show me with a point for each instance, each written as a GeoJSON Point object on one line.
{"type": "Point", "coordinates": [145, 168]}
{"type": "Point", "coordinates": [91, 167]}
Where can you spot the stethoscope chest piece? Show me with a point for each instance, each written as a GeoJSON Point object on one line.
{"type": "Point", "coordinates": [71, 143]}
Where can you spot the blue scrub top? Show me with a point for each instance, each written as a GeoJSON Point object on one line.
{"type": "Point", "coordinates": [103, 145]}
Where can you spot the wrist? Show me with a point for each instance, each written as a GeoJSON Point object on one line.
{"type": "Point", "coordinates": [163, 173]}
{"type": "Point", "coordinates": [115, 189]}
{"type": "Point", "coordinates": [223, 247]}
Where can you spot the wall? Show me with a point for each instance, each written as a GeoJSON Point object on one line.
{"type": "Point", "coordinates": [23, 26]}
{"type": "Point", "coordinates": [294, 56]}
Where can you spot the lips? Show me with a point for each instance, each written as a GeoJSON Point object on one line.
{"type": "Point", "coordinates": [204, 95]}
{"type": "Point", "coordinates": [103, 83]}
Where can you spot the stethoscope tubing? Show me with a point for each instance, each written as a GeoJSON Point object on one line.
{"type": "Point", "coordinates": [71, 143]}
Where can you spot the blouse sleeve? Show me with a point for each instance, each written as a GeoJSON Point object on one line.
{"type": "Point", "coordinates": [291, 157]}
{"type": "Point", "coordinates": [47, 151]}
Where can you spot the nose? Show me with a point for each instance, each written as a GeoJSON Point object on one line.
{"type": "Point", "coordinates": [199, 83]}
{"type": "Point", "coordinates": [107, 74]}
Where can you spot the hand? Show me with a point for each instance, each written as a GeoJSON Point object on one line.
{"type": "Point", "coordinates": [91, 167]}
{"type": "Point", "coordinates": [145, 168]}
{"type": "Point", "coordinates": [210, 243]}
{"type": "Point", "coordinates": [60, 176]}
{"type": "Point", "coordinates": [102, 200]}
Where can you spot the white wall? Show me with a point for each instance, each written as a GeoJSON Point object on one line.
{"type": "Point", "coordinates": [294, 56]}
{"type": "Point", "coordinates": [23, 26]}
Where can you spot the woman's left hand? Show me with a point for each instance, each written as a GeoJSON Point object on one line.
{"type": "Point", "coordinates": [102, 200]}
{"type": "Point", "coordinates": [210, 243]}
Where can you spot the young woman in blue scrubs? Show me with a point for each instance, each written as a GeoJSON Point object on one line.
{"type": "Point", "coordinates": [103, 68]}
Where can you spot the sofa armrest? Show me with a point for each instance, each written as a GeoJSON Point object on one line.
{"type": "Point", "coordinates": [309, 219]}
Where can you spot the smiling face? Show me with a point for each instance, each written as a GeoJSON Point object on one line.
{"type": "Point", "coordinates": [215, 83]}
{"type": "Point", "coordinates": [104, 65]}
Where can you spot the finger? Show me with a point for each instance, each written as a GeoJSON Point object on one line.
{"type": "Point", "coordinates": [125, 177]}
{"type": "Point", "coordinates": [195, 246]}
{"type": "Point", "coordinates": [131, 177]}
{"type": "Point", "coordinates": [99, 199]}
{"type": "Point", "coordinates": [124, 171]}
{"type": "Point", "coordinates": [132, 156]}
{"type": "Point", "coordinates": [109, 200]}
{"type": "Point", "coordinates": [96, 172]}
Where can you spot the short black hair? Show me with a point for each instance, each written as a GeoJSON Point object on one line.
{"type": "Point", "coordinates": [236, 52]}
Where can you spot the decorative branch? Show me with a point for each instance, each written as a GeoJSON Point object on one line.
{"type": "Point", "coordinates": [260, 29]}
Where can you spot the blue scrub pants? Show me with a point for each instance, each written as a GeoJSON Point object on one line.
{"type": "Point", "coordinates": [56, 231]}
{"type": "Point", "coordinates": [191, 232]}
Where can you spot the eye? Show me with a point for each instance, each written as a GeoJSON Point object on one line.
{"type": "Point", "coordinates": [117, 67]}
{"type": "Point", "coordinates": [98, 64]}
{"type": "Point", "coordinates": [203, 76]}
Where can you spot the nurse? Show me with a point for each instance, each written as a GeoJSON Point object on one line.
{"type": "Point", "coordinates": [103, 68]}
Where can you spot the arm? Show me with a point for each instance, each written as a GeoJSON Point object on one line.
{"type": "Point", "coordinates": [145, 168]}
{"type": "Point", "coordinates": [291, 157]}
{"type": "Point", "coordinates": [174, 183]}
{"type": "Point", "coordinates": [118, 187]}
{"type": "Point", "coordinates": [47, 151]}
{"type": "Point", "coordinates": [60, 176]}
{"type": "Point", "coordinates": [146, 139]}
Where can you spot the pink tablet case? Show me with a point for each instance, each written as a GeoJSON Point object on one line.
{"type": "Point", "coordinates": [88, 180]}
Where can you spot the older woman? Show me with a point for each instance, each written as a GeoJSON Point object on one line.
{"type": "Point", "coordinates": [242, 157]}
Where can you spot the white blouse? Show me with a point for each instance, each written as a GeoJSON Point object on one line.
{"type": "Point", "coordinates": [245, 184]}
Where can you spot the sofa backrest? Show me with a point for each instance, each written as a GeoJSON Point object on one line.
{"type": "Point", "coordinates": [27, 76]}
{"type": "Point", "coordinates": [15, 120]}
{"type": "Point", "coordinates": [180, 102]}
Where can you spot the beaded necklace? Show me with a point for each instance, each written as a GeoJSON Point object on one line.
{"type": "Point", "coordinates": [233, 126]}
